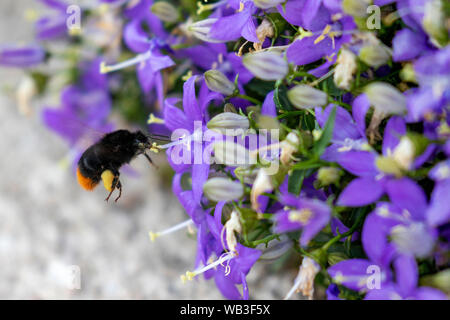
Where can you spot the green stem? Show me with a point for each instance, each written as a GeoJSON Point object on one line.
{"type": "Point", "coordinates": [327, 245]}
{"type": "Point", "coordinates": [252, 100]}
{"type": "Point", "coordinates": [264, 240]}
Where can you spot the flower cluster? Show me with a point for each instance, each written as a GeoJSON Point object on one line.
{"type": "Point", "coordinates": [349, 101]}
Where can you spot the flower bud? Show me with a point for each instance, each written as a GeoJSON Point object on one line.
{"type": "Point", "coordinates": [328, 175]}
{"type": "Point", "coordinates": [440, 280]}
{"type": "Point", "coordinates": [434, 21]}
{"type": "Point", "coordinates": [345, 69]}
{"type": "Point", "coordinates": [305, 97]}
{"type": "Point", "coordinates": [262, 184]}
{"type": "Point", "coordinates": [275, 248]}
{"type": "Point", "coordinates": [386, 98]}
{"type": "Point", "coordinates": [267, 4]}
{"type": "Point", "coordinates": [266, 65]}
{"type": "Point", "coordinates": [232, 154]}
{"type": "Point", "coordinates": [289, 146]}
{"type": "Point", "coordinates": [374, 55]}
{"type": "Point", "coordinates": [223, 189]}
{"type": "Point", "coordinates": [356, 8]}
{"type": "Point", "coordinates": [407, 73]}
{"type": "Point", "coordinates": [336, 257]}
{"type": "Point", "coordinates": [231, 226]}
{"type": "Point", "coordinates": [218, 82]}
{"type": "Point", "coordinates": [245, 174]}
{"type": "Point", "coordinates": [229, 123]}
{"type": "Point", "coordinates": [165, 11]}
{"type": "Point", "coordinates": [201, 29]}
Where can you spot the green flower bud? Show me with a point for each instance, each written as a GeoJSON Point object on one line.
{"type": "Point", "coordinates": [266, 65]}
{"type": "Point", "coordinates": [228, 123]}
{"type": "Point", "coordinates": [218, 82]}
{"type": "Point", "coordinates": [434, 22]}
{"type": "Point", "coordinates": [232, 154]}
{"type": "Point", "coordinates": [374, 55]}
{"type": "Point", "coordinates": [165, 11]}
{"type": "Point", "coordinates": [328, 175]}
{"type": "Point", "coordinates": [345, 69]}
{"type": "Point", "coordinates": [386, 98]}
{"type": "Point", "coordinates": [200, 30]}
{"type": "Point", "coordinates": [356, 8]}
{"type": "Point", "coordinates": [336, 257]}
{"type": "Point", "coordinates": [223, 189]}
{"type": "Point", "coordinates": [440, 280]}
{"type": "Point", "coordinates": [408, 74]}
{"type": "Point", "coordinates": [305, 97]}
{"type": "Point", "coordinates": [267, 4]}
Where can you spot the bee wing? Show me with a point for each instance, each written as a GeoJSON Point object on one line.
{"type": "Point", "coordinates": [79, 133]}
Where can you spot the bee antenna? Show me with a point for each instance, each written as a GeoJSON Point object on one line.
{"type": "Point", "coordinates": [155, 136]}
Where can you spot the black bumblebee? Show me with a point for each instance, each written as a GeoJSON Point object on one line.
{"type": "Point", "coordinates": [102, 160]}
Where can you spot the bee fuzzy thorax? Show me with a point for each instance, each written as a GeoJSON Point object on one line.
{"type": "Point", "coordinates": [85, 182]}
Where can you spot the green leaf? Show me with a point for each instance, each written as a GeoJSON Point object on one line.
{"type": "Point", "coordinates": [295, 181]}
{"type": "Point", "coordinates": [308, 164]}
{"type": "Point", "coordinates": [327, 134]}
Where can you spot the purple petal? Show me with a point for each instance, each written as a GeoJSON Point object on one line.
{"type": "Point", "coordinates": [408, 195]}
{"type": "Point", "coordinates": [291, 11]}
{"type": "Point", "coordinates": [226, 287]}
{"type": "Point", "coordinates": [268, 107]}
{"type": "Point", "coordinates": [353, 271]}
{"type": "Point", "coordinates": [439, 211]}
{"type": "Point", "coordinates": [230, 28]}
{"type": "Point", "coordinates": [395, 128]}
{"type": "Point", "coordinates": [360, 192]}
{"type": "Point", "coordinates": [406, 273]}
{"type": "Point", "coordinates": [135, 38]}
{"type": "Point", "coordinates": [174, 118]}
{"type": "Point", "coordinates": [359, 110]}
{"type": "Point", "coordinates": [190, 104]}
{"type": "Point", "coordinates": [359, 163]}
{"type": "Point", "coordinates": [408, 44]}
{"type": "Point", "coordinates": [426, 293]}
{"type": "Point", "coordinates": [305, 51]}
{"type": "Point", "coordinates": [199, 176]}
{"type": "Point", "coordinates": [344, 126]}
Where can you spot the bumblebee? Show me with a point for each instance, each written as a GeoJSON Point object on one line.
{"type": "Point", "coordinates": [102, 160]}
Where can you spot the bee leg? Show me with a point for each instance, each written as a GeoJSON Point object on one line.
{"type": "Point", "coordinates": [119, 186]}
{"type": "Point", "coordinates": [150, 160]}
{"type": "Point", "coordinates": [115, 183]}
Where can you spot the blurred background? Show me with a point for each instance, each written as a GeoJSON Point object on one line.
{"type": "Point", "coordinates": [48, 224]}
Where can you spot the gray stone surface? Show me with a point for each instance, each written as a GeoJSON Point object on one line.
{"type": "Point", "coordinates": [48, 223]}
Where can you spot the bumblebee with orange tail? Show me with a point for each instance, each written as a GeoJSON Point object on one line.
{"type": "Point", "coordinates": [102, 160]}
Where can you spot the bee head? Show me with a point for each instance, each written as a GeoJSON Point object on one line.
{"type": "Point", "coordinates": [142, 141]}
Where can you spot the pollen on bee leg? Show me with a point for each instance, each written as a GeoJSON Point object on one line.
{"type": "Point", "coordinates": [107, 178]}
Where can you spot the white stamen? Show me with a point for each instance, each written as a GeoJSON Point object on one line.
{"type": "Point", "coordinates": [223, 258]}
{"type": "Point", "coordinates": [127, 63]}
{"type": "Point", "coordinates": [154, 235]}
